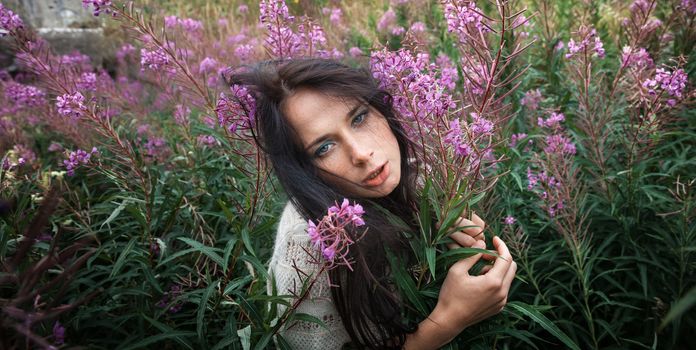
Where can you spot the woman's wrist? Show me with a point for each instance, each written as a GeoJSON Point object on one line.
{"type": "Point", "coordinates": [437, 330]}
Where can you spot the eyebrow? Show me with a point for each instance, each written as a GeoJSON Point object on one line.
{"type": "Point", "coordinates": [350, 114]}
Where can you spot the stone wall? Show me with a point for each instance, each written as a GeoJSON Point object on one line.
{"type": "Point", "coordinates": [65, 24]}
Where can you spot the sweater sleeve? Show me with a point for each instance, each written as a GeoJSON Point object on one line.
{"type": "Point", "coordinates": [289, 254]}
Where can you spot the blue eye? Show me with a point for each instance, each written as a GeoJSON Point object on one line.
{"type": "Point", "coordinates": [360, 118]}
{"type": "Point", "coordinates": [322, 149]}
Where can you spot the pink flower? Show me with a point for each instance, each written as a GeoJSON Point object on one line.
{"type": "Point", "coordinates": [509, 220]}
{"type": "Point", "coordinates": [76, 158]}
{"type": "Point", "coordinates": [207, 65]}
{"type": "Point", "coordinates": [71, 105]}
{"type": "Point", "coordinates": [330, 237]}
{"type": "Point", "coordinates": [552, 122]}
{"type": "Point", "coordinates": [531, 99]}
{"type": "Point", "coordinates": [355, 52]}
{"type": "Point", "coordinates": [99, 6]}
{"type": "Point", "coordinates": [9, 21]}
{"type": "Point", "coordinates": [387, 21]}
{"type": "Point", "coordinates": [156, 60]}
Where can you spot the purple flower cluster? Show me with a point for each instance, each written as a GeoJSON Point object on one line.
{"type": "Point", "coordinates": [329, 235]}
{"type": "Point", "coordinates": [156, 149]}
{"type": "Point", "coordinates": [280, 40]}
{"type": "Point", "coordinates": [387, 22]}
{"type": "Point", "coordinates": [455, 139]}
{"type": "Point", "coordinates": [672, 82]}
{"type": "Point", "coordinates": [547, 187]}
{"type": "Point", "coordinates": [58, 333]}
{"type": "Point", "coordinates": [335, 15]}
{"type": "Point", "coordinates": [237, 110]}
{"type": "Point", "coordinates": [516, 138]}
{"type": "Point", "coordinates": [448, 72]}
{"type": "Point", "coordinates": [100, 6]}
{"type": "Point", "coordinates": [169, 297]}
{"type": "Point", "coordinates": [462, 17]}
{"type": "Point", "coordinates": [412, 83]}
{"type": "Point", "coordinates": [552, 122]}
{"type": "Point", "coordinates": [481, 126]}
{"type": "Point", "coordinates": [87, 82]}
{"type": "Point", "coordinates": [207, 65]}
{"type": "Point", "coordinates": [24, 95]}
{"type": "Point", "coordinates": [207, 140]}
{"type": "Point", "coordinates": [181, 114]}
{"type": "Point", "coordinates": [156, 60]}
{"type": "Point", "coordinates": [587, 37]}
{"type": "Point", "coordinates": [531, 99]}
{"type": "Point", "coordinates": [559, 144]}
{"type": "Point", "coordinates": [71, 105]}
{"type": "Point", "coordinates": [76, 158]}
{"type": "Point", "coordinates": [689, 6]}
{"type": "Point", "coordinates": [638, 58]}
{"type": "Point", "coordinates": [509, 220]}
{"type": "Point", "coordinates": [9, 21]}
{"type": "Point", "coordinates": [188, 25]}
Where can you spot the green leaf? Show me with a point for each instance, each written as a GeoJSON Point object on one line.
{"type": "Point", "coordinates": [206, 250]}
{"type": "Point", "coordinates": [430, 257]}
{"type": "Point", "coordinates": [684, 304]}
{"type": "Point", "coordinates": [143, 344]}
{"type": "Point", "coordinates": [539, 318]}
{"type": "Point", "coordinates": [123, 258]}
{"type": "Point", "coordinates": [202, 305]}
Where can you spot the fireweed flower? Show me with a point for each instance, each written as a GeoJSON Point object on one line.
{"type": "Point", "coordinates": [448, 72]}
{"type": "Point", "coordinates": [417, 27]}
{"type": "Point", "coordinates": [515, 138]}
{"type": "Point", "coordinates": [552, 122]}
{"type": "Point", "coordinates": [673, 83]}
{"type": "Point", "coordinates": [181, 114]}
{"type": "Point", "coordinates": [169, 297]}
{"type": "Point", "coordinates": [9, 21]}
{"type": "Point", "coordinates": [71, 105]}
{"type": "Point", "coordinates": [207, 140]}
{"type": "Point", "coordinates": [387, 21]}
{"type": "Point", "coordinates": [76, 158]}
{"type": "Point", "coordinates": [237, 110]}
{"type": "Point", "coordinates": [638, 58]}
{"type": "Point", "coordinates": [462, 18]}
{"type": "Point", "coordinates": [456, 140]}
{"type": "Point", "coordinates": [100, 6]}
{"type": "Point", "coordinates": [88, 82]}
{"type": "Point", "coordinates": [509, 220]}
{"type": "Point", "coordinates": [689, 6]}
{"type": "Point", "coordinates": [25, 95]}
{"type": "Point", "coordinates": [587, 40]}
{"type": "Point", "coordinates": [531, 99]}
{"type": "Point", "coordinates": [58, 333]}
{"type": "Point", "coordinates": [559, 144]}
{"type": "Point", "coordinates": [281, 40]}
{"type": "Point", "coordinates": [207, 65]}
{"type": "Point", "coordinates": [156, 60]}
{"type": "Point", "coordinates": [355, 52]}
{"type": "Point", "coordinates": [330, 237]}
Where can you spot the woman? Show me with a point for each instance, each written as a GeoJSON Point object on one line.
{"type": "Point", "coordinates": [331, 133]}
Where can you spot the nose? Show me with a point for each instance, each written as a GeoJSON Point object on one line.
{"type": "Point", "coordinates": [360, 153]}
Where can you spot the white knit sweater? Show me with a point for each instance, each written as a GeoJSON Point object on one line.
{"type": "Point", "coordinates": [291, 246]}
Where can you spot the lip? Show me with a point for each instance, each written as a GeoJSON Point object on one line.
{"type": "Point", "coordinates": [383, 174]}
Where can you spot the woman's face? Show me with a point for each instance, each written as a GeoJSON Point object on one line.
{"type": "Point", "coordinates": [348, 140]}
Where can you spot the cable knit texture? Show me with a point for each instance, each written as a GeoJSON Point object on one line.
{"type": "Point", "coordinates": [291, 246]}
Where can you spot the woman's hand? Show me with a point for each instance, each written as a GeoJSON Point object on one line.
{"type": "Point", "coordinates": [465, 299]}
{"type": "Point", "coordinates": [471, 234]}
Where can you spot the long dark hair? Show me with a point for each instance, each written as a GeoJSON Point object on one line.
{"type": "Point", "coordinates": [369, 305]}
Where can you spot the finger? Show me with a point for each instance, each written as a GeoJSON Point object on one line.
{"type": "Point", "coordinates": [485, 269]}
{"type": "Point", "coordinates": [479, 222]}
{"type": "Point", "coordinates": [509, 276]}
{"type": "Point", "coordinates": [470, 228]}
{"type": "Point", "coordinates": [468, 262]}
{"type": "Point", "coordinates": [463, 239]}
{"type": "Point", "coordinates": [453, 246]}
{"type": "Point", "coordinates": [503, 262]}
